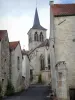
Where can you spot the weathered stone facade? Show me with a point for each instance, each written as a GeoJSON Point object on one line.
{"type": "Point", "coordinates": [62, 32]}
{"type": "Point", "coordinates": [16, 65]}
{"type": "Point", "coordinates": [33, 44]}
{"type": "Point", "coordinates": [26, 69]}
{"type": "Point", "coordinates": [4, 61]}
{"type": "Point", "coordinates": [35, 62]}
{"type": "Point", "coordinates": [61, 81]}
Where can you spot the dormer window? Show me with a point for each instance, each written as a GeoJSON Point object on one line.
{"type": "Point", "coordinates": [35, 36]}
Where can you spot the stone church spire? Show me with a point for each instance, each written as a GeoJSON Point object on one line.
{"type": "Point", "coordinates": [36, 24]}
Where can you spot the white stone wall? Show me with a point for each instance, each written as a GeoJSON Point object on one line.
{"type": "Point", "coordinates": [34, 44]}
{"type": "Point", "coordinates": [26, 70]}
{"type": "Point", "coordinates": [62, 87]}
{"type": "Point", "coordinates": [46, 76]}
{"type": "Point", "coordinates": [35, 62]}
{"type": "Point", "coordinates": [52, 51]}
{"type": "Point", "coordinates": [65, 46]}
{"type": "Point", "coordinates": [16, 75]}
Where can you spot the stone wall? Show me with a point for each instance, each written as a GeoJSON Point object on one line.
{"type": "Point", "coordinates": [4, 61]}
{"type": "Point", "coordinates": [46, 76]}
{"type": "Point", "coordinates": [52, 50]}
{"type": "Point", "coordinates": [36, 64]}
{"type": "Point", "coordinates": [61, 75]}
{"type": "Point", "coordinates": [26, 71]}
{"type": "Point", "coordinates": [16, 74]}
{"type": "Point", "coordinates": [34, 44]}
{"type": "Point", "coordinates": [65, 45]}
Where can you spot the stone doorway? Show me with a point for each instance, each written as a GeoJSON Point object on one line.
{"type": "Point", "coordinates": [72, 93]}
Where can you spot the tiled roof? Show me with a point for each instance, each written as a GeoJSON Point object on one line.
{"type": "Point", "coordinates": [13, 45]}
{"type": "Point", "coordinates": [2, 33]}
{"type": "Point", "coordinates": [63, 9]}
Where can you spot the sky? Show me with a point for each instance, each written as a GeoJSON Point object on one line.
{"type": "Point", "coordinates": [17, 16]}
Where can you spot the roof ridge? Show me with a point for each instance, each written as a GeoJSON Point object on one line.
{"type": "Point", "coordinates": [13, 44]}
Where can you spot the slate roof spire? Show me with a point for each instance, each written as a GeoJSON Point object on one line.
{"type": "Point", "coordinates": [36, 19]}
{"type": "Point", "coordinates": [36, 24]}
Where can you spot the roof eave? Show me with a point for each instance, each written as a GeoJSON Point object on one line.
{"type": "Point", "coordinates": [64, 15]}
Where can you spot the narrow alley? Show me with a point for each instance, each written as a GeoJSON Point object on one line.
{"type": "Point", "coordinates": [35, 92]}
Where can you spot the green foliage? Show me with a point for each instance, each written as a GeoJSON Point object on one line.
{"type": "Point", "coordinates": [10, 89]}
{"type": "Point", "coordinates": [40, 78]}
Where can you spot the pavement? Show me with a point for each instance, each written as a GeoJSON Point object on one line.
{"type": "Point", "coordinates": [34, 92]}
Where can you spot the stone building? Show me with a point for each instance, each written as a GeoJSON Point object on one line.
{"type": "Point", "coordinates": [62, 49]}
{"type": "Point", "coordinates": [39, 51]}
{"type": "Point", "coordinates": [25, 69]}
{"type": "Point", "coordinates": [16, 65]}
{"type": "Point", "coordinates": [4, 59]}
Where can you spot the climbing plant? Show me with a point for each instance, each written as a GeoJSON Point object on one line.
{"type": "Point", "coordinates": [40, 78]}
{"type": "Point", "coordinates": [9, 89]}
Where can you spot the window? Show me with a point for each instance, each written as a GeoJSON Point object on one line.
{"type": "Point", "coordinates": [49, 62]}
{"type": "Point", "coordinates": [53, 46]}
{"type": "Point", "coordinates": [18, 62]}
{"type": "Point", "coordinates": [41, 37]}
{"type": "Point", "coordinates": [2, 81]}
{"type": "Point", "coordinates": [35, 36]}
{"type": "Point", "coordinates": [5, 60]}
{"type": "Point", "coordinates": [42, 62]}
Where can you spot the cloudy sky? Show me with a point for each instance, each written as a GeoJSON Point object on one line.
{"type": "Point", "coordinates": [17, 17]}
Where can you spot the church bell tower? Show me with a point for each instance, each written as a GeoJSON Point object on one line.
{"type": "Point", "coordinates": [37, 34]}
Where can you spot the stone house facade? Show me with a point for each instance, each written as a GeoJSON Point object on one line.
{"type": "Point", "coordinates": [16, 65]}
{"type": "Point", "coordinates": [11, 64]}
{"type": "Point", "coordinates": [4, 59]}
{"type": "Point", "coordinates": [62, 17]}
{"type": "Point", "coordinates": [25, 69]}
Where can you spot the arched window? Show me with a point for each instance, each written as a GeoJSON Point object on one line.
{"type": "Point", "coordinates": [41, 37]}
{"type": "Point", "coordinates": [35, 36]}
{"type": "Point", "coordinates": [42, 62]}
{"type": "Point", "coordinates": [49, 62]}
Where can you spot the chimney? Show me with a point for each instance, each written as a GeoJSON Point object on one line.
{"type": "Point", "coordinates": [51, 2]}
